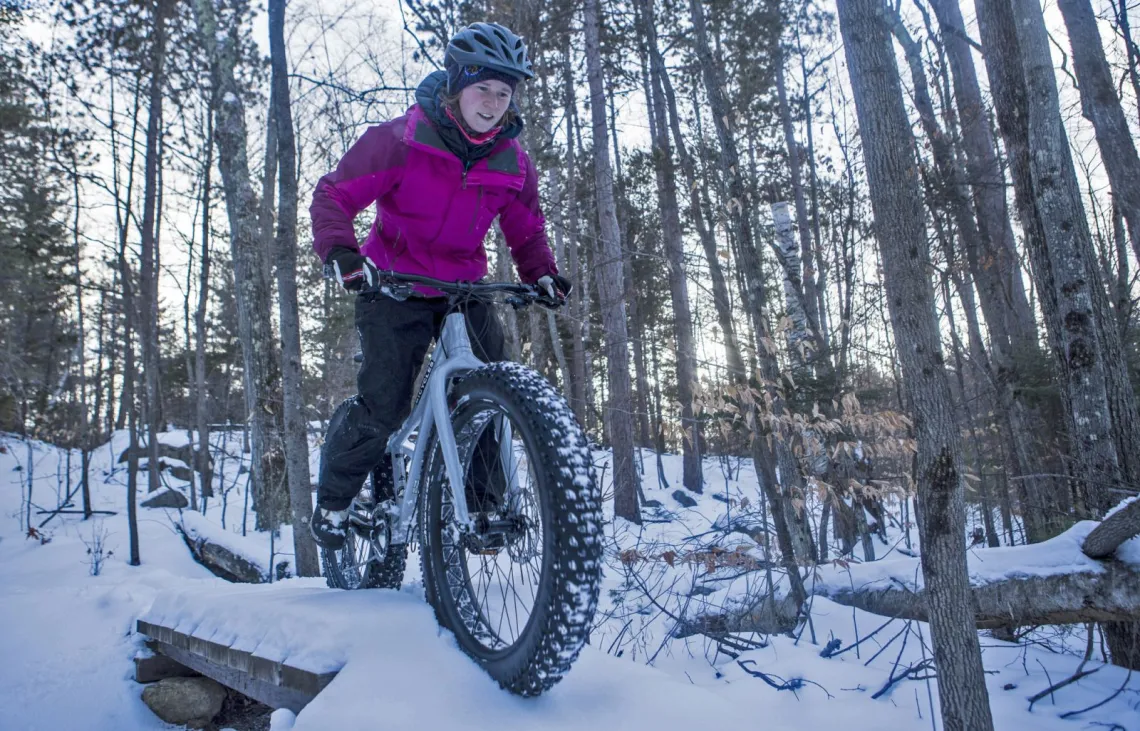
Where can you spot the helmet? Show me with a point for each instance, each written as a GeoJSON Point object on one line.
{"type": "Point", "coordinates": [490, 45]}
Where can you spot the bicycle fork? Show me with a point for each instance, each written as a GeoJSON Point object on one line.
{"type": "Point", "coordinates": [431, 414]}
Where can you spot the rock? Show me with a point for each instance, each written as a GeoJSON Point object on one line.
{"type": "Point", "coordinates": [185, 454]}
{"type": "Point", "coordinates": [227, 564]}
{"type": "Point", "coordinates": [720, 496]}
{"type": "Point", "coordinates": [651, 504]}
{"type": "Point", "coordinates": [166, 498]}
{"type": "Point", "coordinates": [683, 498]}
{"type": "Point", "coordinates": [192, 702]}
{"type": "Point", "coordinates": [181, 471]}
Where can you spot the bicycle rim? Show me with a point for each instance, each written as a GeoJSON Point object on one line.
{"type": "Point", "coordinates": [495, 581]}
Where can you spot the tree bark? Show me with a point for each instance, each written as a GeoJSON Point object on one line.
{"type": "Point", "coordinates": [609, 276]}
{"type": "Point", "coordinates": [1000, 364]}
{"type": "Point", "coordinates": [296, 440]}
{"type": "Point", "coordinates": [900, 230]}
{"type": "Point", "coordinates": [1101, 106]}
{"type": "Point", "coordinates": [201, 408]}
{"type": "Point", "coordinates": [986, 181]}
{"type": "Point", "coordinates": [675, 260]}
{"type": "Point", "coordinates": [1102, 405]}
{"type": "Point", "coordinates": [148, 274]}
{"type": "Point", "coordinates": [251, 271]}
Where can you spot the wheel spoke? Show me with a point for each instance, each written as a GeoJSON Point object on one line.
{"type": "Point", "coordinates": [491, 605]}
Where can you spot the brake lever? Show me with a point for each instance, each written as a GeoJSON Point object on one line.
{"type": "Point", "coordinates": [398, 292]}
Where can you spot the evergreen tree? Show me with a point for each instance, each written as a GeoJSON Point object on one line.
{"type": "Point", "coordinates": [37, 280]}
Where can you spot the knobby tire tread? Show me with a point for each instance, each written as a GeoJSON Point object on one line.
{"type": "Point", "coordinates": [551, 644]}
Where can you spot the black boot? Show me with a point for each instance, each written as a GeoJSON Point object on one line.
{"type": "Point", "coordinates": [329, 528]}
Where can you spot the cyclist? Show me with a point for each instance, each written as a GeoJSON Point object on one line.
{"type": "Point", "coordinates": [439, 175]}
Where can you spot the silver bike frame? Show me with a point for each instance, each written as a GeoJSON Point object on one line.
{"type": "Point", "coordinates": [452, 356]}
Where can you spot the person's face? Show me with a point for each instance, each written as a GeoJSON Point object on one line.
{"type": "Point", "coordinates": [484, 103]}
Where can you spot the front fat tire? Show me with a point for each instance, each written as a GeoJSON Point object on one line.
{"type": "Point", "coordinates": [570, 505]}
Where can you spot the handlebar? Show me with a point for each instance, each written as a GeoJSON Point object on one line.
{"type": "Point", "coordinates": [402, 286]}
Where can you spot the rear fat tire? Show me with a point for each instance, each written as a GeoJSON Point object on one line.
{"type": "Point", "coordinates": [387, 574]}
{"type": "Point", "coordinates": [567, 596]}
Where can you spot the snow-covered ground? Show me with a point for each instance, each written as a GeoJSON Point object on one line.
{"type": "Point", "coordinates": [66, 636]}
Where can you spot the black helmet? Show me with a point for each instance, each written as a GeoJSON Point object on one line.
{"type": "Point", "coordinates": [490, 45]}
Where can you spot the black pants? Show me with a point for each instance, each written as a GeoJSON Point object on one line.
{"type": "Point", "coordinates": [394, 337]}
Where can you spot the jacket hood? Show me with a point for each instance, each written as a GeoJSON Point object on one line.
{"type": "Point", "coordinates": [428, 97]}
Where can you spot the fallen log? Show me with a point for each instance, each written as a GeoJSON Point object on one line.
{"type": "Point", "coordinates": [1053, 582]}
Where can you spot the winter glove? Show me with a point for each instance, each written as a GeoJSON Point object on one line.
{"type": "Point", "coordinates": [556, 286]}
{"type": "Point", "coordinates": [352, 269]}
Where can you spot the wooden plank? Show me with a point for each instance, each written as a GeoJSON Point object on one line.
{"type": "Point", "coordinates": [269, 681]}
{"type": "Point", "coordinates": [158, 667]}
{"type": "Point", "coordinates": [304, 680]}
{"type": "Point", "coordinates": [275, 696]}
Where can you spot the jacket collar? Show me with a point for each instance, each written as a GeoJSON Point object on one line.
{"type": "Point", "coordinates": [421, 134]}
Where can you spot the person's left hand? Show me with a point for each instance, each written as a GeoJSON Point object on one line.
{"type": "Point", "coordinates": [556, 286]}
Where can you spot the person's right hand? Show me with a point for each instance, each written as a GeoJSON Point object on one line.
{"type": "Point", "coordinates": [353, 270]}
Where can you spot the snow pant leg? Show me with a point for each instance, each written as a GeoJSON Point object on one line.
{"type": "Point", "coordinates": [394, 338]}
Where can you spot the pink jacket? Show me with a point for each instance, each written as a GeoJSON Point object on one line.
{"type": "Point", "coordinates": [431, 216]}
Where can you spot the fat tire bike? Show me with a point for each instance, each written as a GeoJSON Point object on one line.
{"type": "Point", "coordinates": [513, 573]}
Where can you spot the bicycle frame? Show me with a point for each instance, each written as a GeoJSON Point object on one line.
{"type": "Point", "coordinates": [451, 356]}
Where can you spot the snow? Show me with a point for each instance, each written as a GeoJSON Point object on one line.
{"type": "Point", "coordinates": [67, 639]}
{"type": "Point", "coordinates": [403, 660]}
{"type": "Point", "coordinates": [1059, 555]}
{"type": "Point", "coordinates": [1129, 552]}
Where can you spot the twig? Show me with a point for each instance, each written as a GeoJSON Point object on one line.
{"type": "Point", "coordinates": [1070, 714]}
{"type": "Point", "coordinates": [1057, 686]}
{"type": "Point", "coordinates": [852, 647]}
{"type": "Point", "coordinates": [1077, 675]}
{"type": "Point", "coordinates": [908, 673]}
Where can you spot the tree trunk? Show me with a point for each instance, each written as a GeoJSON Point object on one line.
{"type": "Point", "coordinates": [900, 231]}
{"type": "Point", "coordinates": [296, 439]}
{"type": "Point", "coordinates": [804, 274]}
{"type": "Point", "coordinates": [675, 260]}
{"type": "Point", "coordinates": [148, 274]}
{"type": "Point", "coordinates": [803, 348]}
{"type": "Point", "coordinates": [201, 407]}
{"type": "Point", "coordinates": [1000, 364]}
{"type": "Point", "coordinates": [129, 378]}
{"type": "Point", "coordinates": [1101, 106]}
{"type": "Point", "coordinates": [739, 214]}
{"type": "Point", "coordinates": [716, 274]}
{"type": "Point", "coordinates": [86, 439]}
{"type": "Point", "coordinates": [1101, 408]}
{"type": "Point", "coordinates": [609, 276]}
{"type": "Point", "coordinates": [578, 385]}
{"type": "Point", "coordinates": [986, 180]}
{"type": "Point", "coordinates": [251, 271]}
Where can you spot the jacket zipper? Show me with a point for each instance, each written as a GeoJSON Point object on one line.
{"type": "Point", "coordinates": [478, 208]}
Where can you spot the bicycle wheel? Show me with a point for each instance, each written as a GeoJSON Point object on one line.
{"type": "Point", "coordinates": [355, 566]}
{"type": "Point", "coordinates": [520, 591]}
